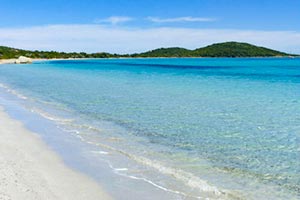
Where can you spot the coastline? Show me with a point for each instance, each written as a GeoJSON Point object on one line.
{"type": "Point", "coordinates": [12, 61]}
{"type": "Point", "coordinates": [31, 170]}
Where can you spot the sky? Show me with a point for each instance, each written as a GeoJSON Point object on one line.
{"type": "Point", "coordinates": [127, 26]}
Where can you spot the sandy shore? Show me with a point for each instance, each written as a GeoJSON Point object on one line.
{"type": "Point", "coordinates": [13, 61]}
{"type": "Point", "coordinates": [7, 61]}
{"type": "Point", "coordinates": [29, 170]}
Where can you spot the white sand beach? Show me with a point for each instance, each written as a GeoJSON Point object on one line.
{"type": "Point", "coordinates": [7, 61]}
{"type": "Point", "coordinates": [29, 170]}
{"type": "Point", "coordinates": [16, 61]}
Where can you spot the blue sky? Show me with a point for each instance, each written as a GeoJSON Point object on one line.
{"type": "Point", "coordinates": [138, 25]}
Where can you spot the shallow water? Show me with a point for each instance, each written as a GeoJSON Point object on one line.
{"type": "Point", "coordinates": [215, 128]}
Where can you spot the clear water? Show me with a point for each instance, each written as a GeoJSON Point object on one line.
{"type": "Point", "coordinates": [213, 128]}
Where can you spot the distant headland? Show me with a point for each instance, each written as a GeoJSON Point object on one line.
{"type": "Point", "coordinates": [226, 49]}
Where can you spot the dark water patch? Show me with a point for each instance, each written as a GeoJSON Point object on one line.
{"type": "Point", "coordinates": [200, 67]}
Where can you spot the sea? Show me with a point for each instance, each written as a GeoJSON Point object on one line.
{"type": "Point", "coordinates": [167, 128]}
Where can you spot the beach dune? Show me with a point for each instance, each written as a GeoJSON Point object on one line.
{"type": "Point", "coordinates": [30, 170]}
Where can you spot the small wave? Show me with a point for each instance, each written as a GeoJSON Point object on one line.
{"type": "Point", "coordinates": [88, 127]}
{"type": "Point", "coordinates": [187, 178]}
{"type": "Point", "coordinates": [51, 117]}
{"type": "Point", "coordinates": [100, 152]}
{"type": "Point", "coordinates": [118, 170]}
{"type": "Point", "coordinates": [121, 169]}
{"type": "Point", "coordinates": [53, 104]}
{"type": "Point", "coordinates": [68, 130]}
{"type": "Point", "coordinates": [13, 92]}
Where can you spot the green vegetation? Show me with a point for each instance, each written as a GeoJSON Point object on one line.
{"type": "Point", "coordinates": [7, 53]}
{"type": "Point", "coordinates": [165, 52]}
{"type": "Point", "coordinates": [236, 49]}
{"type": "Point", "coordinates": [227, 49]}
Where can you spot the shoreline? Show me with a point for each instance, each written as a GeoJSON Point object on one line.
{"type": "Point", "coordinates": [72, 151]}
{"type": "Point", "coordinates": [29, 169]}
{"type": "Point", "coordinates": [12, 61]}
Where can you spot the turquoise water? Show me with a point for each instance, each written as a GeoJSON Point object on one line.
{"type": "Point", "coordinates": [226, 127]}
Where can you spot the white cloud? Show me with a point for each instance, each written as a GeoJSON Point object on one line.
{"type": "Point", "coordinates": [98, 38]}
{"type": "Point", "coordinates": [180, 19]}
{"type": "Point", "coordinates": [114, 20]}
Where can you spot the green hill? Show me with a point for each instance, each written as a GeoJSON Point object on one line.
{"type": "Point", "coordinates": [226, 49]}
{"type": "Point", "coordinates": [236, 49]}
